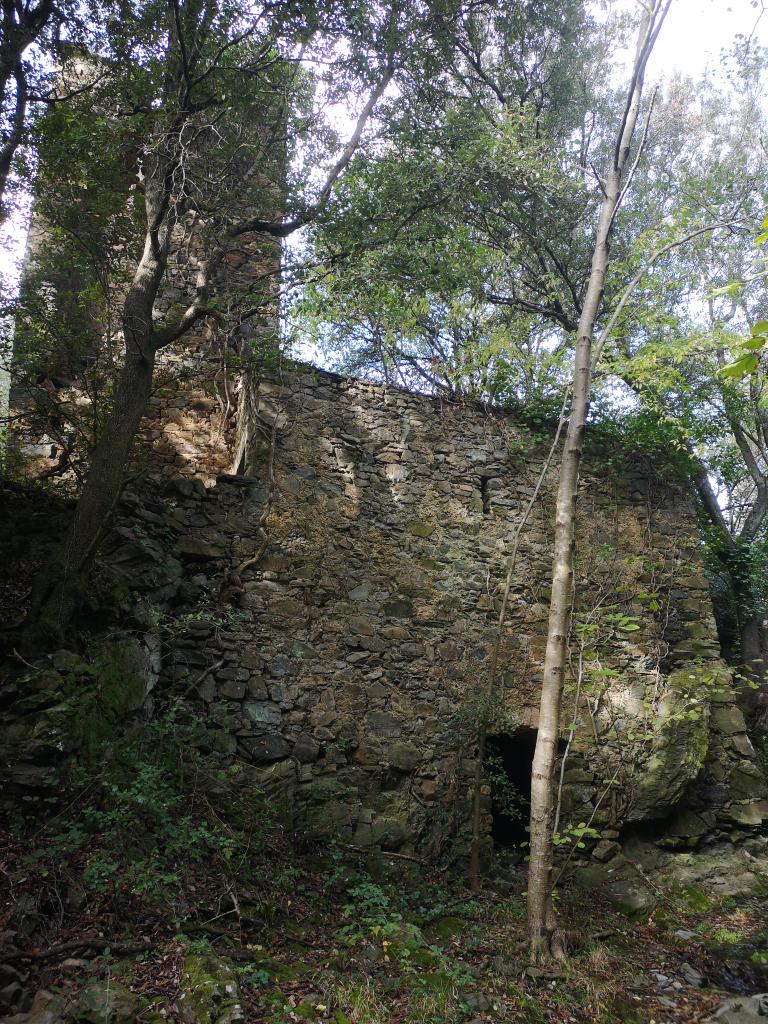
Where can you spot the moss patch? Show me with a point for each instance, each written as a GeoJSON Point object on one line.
{"type": "Point", "coordinates": [444, 929]}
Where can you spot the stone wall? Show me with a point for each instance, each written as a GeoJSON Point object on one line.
{"type": "Point", "coordinates": [318, 564]}
{"type": "Point", "coordinates": [190, 428]}
{"type": "Point", "coordinates": [331, 614]}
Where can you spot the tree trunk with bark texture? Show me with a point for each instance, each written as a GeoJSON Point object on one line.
{"type": "Point", "coordinates": [541, 917]}
{"type": "Point", "coordinates": [60, 588]}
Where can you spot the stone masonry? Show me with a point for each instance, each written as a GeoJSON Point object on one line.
{"type": "Point", "coordinates": [331, 608]}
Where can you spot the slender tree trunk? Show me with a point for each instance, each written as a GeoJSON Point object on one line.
{"type": "Point", "coordinates": [482, 733]}
{"type": "Point", "coordinates": [541, 920]}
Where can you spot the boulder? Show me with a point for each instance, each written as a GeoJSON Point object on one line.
{"type": "Point", "coordinates": [619, 883]}
{"type": "Point", "coordinates": [209, 991]}
{"type": "Point", "coordinates": [106, 1001]}
{"type": "Point", "coordinates": [742, 1010]}
{"type": "Point", "coordinates": [46, 1008]}
{"type": "Point", "coordinates": [679, 748]}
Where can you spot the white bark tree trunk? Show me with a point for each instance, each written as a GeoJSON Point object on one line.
{"type": "Point", "coordinates": [541, 918]}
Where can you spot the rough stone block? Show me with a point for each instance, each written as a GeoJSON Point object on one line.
{"type": "Point", "coordinates": [403, 756]}
{"type": "Point", "coordinates": [728, 719]}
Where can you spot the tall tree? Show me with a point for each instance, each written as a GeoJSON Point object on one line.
{"type": "Point", "coordinates": [33, 36]}
{"type": "Point", "coordinates": [614, 183]}
{"type": "Point", "coordinates": [473, 211]}
{"type": "Point", "coordinates": [21, 24]}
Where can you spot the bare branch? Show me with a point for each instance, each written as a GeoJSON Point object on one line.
{"type": "Point", "coordinates": [283, 229]}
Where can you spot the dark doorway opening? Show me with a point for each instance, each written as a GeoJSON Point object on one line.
{"type": "Point", "coordinates": [509, 758]}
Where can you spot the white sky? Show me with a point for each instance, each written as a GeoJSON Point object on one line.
{"type": "Point", "coordinates": [696, 31]}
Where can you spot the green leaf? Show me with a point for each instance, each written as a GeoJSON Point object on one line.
{"type": "Point", "coordinates": [731, 289]}
{"type": "Point", "coordinates": [744, 365]}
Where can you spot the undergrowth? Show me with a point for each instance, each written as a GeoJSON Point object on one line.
{"type": "Point", "coordinates": [149, 819]}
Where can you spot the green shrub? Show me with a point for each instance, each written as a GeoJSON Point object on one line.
{"type": "Point", "coordinates": [143, 816]}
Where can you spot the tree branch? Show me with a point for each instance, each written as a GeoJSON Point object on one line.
{"type": "Point", "coordinates": [283, 229]}
{"type": "Point", "coordinates": [627, 293]}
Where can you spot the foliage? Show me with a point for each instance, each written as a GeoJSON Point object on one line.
{"type": "Point", "coordinates": [508, 801]}
{"type": "Point", "coordinates": [454, 202]}
{"type": "Point", "coordinates": [575, 835]}
{"type": "Point", "coordinates": [141, 823]}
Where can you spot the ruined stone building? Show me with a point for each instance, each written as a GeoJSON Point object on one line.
{"type": "Point", "coordinates": [332, 576]}
{"type": "Point", "coordinates": [316, 563]}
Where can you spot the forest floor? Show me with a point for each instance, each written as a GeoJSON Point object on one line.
{"type": "Point", "coordinates": [322, 940]}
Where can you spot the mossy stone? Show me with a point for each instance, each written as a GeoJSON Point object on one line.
{"type": "Point", "coordinates": [419, 529]}
{"type": "Point", "coordinates": [209, 991]}
{"type": "Point", "coordinates": [695, 898]}
{"type": "Point", "coordinates": [618, 883]}
{"type": "Point", "coordinates": [112, 1003]}
{"type": "Point", "coordinates": [680, 745]}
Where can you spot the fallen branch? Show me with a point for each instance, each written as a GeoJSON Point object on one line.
{"type": "Point", "coordinates": [78, 944]}
{"type": "Point", "coordinates": [388, 853]}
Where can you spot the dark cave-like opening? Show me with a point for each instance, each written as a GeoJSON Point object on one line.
{"type": "Point", "coordinates": [508, 763]}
